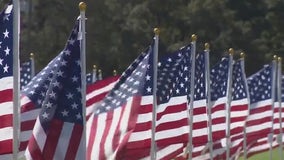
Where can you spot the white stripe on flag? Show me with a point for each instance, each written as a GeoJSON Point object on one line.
{"type": "Point", "coordinates": [98, 135]}
{"type": "Point", "coordinates": [6, 108]}
{"type": "Point", "coordinates": [110, 135]}
{"type": "Point", "coordinates": [40, 136]}
{"type": "Point", "coordinates": [64, 137]}
{"type": "Point", "coordinates": [5, 133]}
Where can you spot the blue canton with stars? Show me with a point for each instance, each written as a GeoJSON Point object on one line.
{"type": "Point", "coordinates": [282, 88]}
{"type": "Point", "coordinates": [89, 78]}
{"type": "Point", "coordinates": [137, 80]}
{"type": "Point", "coordinates": [199, 77]}
{"type": "Point", "coordinates": [239, 89]}
{"type": "Point", "coordinates": [260, 84]}
{"type": "Point", "coordinates": [57, 88]}
{"type": "Point", "coordinates": [174, 75]}
{"type": "Point", "coordinates": [6, 42]}
{"type": "Point", "coordinates": [219, 79]}
{"type": "Point", "coordinates": [25, 73]}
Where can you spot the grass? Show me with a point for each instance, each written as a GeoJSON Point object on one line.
{"type": "Point", "coordinates": [266, 155]}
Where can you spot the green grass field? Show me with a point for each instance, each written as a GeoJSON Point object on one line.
{"type": "Point", "coordinates": [260, 156]}
{"type": "Point", "coordinates": [266, 155]}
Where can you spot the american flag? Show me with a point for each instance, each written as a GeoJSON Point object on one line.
{"type": "Point", "coordinates": [219, 76]}
{"type": "Point", "coordinates": [239, 109]}
{"type": "Point", "coordinates": [92, 77]}
{"type": "Point", "coordinates": [56, 95]}
{"type": "Point", "coordinates": [259, 121]}
{"type": "Point", "coordinates": [89, 78]}
{"type": "Point", "coordinates": [277, 109]}
{"type": "Point", "coordinates": [25, 73]}
{"type": "Point", "coordinates": [200, 118]}
{"type": "Point", "coordinates": [219, 83]}
{"type": "Point", "coordinates": [6, 82]}
{"type": "Point", "coordinates": [97, 91]}
{"type": "Point", "coordinates": [113, 121]}
{"type": "Point", "coordinates": [172, 117]}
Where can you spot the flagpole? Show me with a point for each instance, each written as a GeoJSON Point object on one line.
{"type": "Point", "coordinates": [100, 74]}
{"type": "Point", "coordinates": [82, 7]}
{"type": "Point", "coordinates": [274, 72]}
{"type": "Point", "coordinates": [114, 73]}
{"type": "Point", "coordinates": [228, 104]}
{"type": "Point", "coordinates": [279, 91]}
{"type": "Point", "coordinates": [208, 93]}
{"type": "Point", "coordinates": [32, 65]}
{"type": "Point", "coordinates": [242, 55]}
{"type": "Point", "coordinates": [155, 76]}
{"type": "Point", "coordinates": [190, 118]}
{"type": "Point", "coordinates": [16, 77]}
{"type": "Point", "coordinates": [94, 75]}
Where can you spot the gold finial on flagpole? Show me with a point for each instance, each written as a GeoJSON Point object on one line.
{"type": "Point", "coordinates": [94, 67]}
{"type": "Point", "coordinates": [114, 72]}
{"type": "Point", "coordinates": [275, 57]}
{"type": "Point", "coordinates": [231, 51]}
{"type": "Point", "coordinates": [157, 31]}
{"type": "Point", "coordinates": [82, 6]}
{"type": "Point", "coordinates": [32, 55]}
{"type": "Point", "coordinates": [207, 46]}
{"type": "Point", "coordinates": [193, 38]}
{"type": "Point", "coordinates": [242, 55]}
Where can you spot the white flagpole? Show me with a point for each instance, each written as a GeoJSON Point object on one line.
{"type": "Point", "coordinates": [94, 75]}
{"type": "Point", "coordinates": [208, 93]}
{"type": "Point", "coordinates": [274, 72]}
{"type": "Point", "coordinates": [16, 77]}
{"type": "Point", "coordinates": [100, 74]}
{"type": "Point", "coordinates": [279, 91]}
{"type": "Point", "coordinates": [228, 104]}
{"type": "Point", "coordinates": [114, 72]}
{"type": "Point", "coordinates": [32, 58]}
{"type": "Point", "coordinates": [247, 91]}
{"type": "Point", "coordinates": [190, 118]}
{"type": "Point", "coordinates": [82, 7]}
{"type": "Point", "coordinates": [155, 76]}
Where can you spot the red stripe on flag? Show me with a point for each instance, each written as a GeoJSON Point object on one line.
{"type": "Point", "coordinates": [219, 107]}
{"type": "Point", "coordinates": [27, 107]}
{"type": "Point", "coordinates": [91, 137]}
{"type": "Point", "coordinates": [260, 109]}
{"type": "Point", "coordinates": [171, 109]}
{"type": "Point", "coordinates": [170, 124]}
{"type": "Point", "coordinates": [96, 99]}
{"type": "Point", "coordinates": [131, 123]}
{"type": "Point", "coordinates": [6, 120]}
{"type": "Point", "coordinates": [105, 134]}
{"type": "Point", "coordinates": [74, 142]}
{"type": "Point", "coordinates": [34, 149]}
{"type": "Point", "coordinates": [27, 125]}
{"type": "Point", "coordinates": [6, 146]}
{"type": "Point", "coordinates": [258, 121]}
{"type": "Point", "coordinates": [6, 95]}
{"type": "Point", "coordinates": [52, 138]}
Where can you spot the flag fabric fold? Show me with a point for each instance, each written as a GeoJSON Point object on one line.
{"type": "Point", "coordinates": [239, 109]}
{"type": "Point", "coordinates": [6, 82]}
{"type": "Point", "coordinates": [54, 98]}
{"type": "Point", "coordinates": [172, 117]}
{"type": "Point", "coordinates": [115, 117]}
{"type": "Point", "coordinates": [260, 120]}
{"type": "Point", "coordinates": [96, 93]}
{"type": "Point", "coordinates": [25, 73]}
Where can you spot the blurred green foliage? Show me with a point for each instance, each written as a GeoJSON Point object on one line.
{"type": "Point", "coordinates": [117, 31]}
